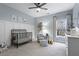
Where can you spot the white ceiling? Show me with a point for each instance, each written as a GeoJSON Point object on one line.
{"type": "Point", "coordinates": [52, 8]}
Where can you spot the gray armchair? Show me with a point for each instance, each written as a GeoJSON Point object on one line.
{"type": "Point", "coordinates": [42, 40]}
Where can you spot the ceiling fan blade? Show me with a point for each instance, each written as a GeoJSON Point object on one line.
{"type": "Point", "coordinates": [42, 4]}
{"type": "Point", "coordinates": [44, 8]}
{"type": "Point", "coordinates": [37, 4]}
{"type": "Point", "coordinates": [32, 7]}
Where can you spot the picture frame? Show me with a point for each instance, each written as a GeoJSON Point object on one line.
{"type": "Point", "coordinates": [14, 18]}
{"type": "Point", "coordinates": [24, 20]}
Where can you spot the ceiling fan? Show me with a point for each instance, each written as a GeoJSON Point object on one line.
{"type": "Point", "coordinates": [38, 6]}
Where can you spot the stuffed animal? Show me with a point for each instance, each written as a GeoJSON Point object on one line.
{"type": "Point", "coordinates": [50, 41]}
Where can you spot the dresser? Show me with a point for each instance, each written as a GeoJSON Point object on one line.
{"type": "Point", "coordinates": [73, 45]}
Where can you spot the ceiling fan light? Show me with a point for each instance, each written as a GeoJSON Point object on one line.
{"type": "Point", "coordinates": [38, 9]}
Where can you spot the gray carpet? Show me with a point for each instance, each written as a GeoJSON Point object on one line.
{"type": "Point", "coordinates": [34, 49]}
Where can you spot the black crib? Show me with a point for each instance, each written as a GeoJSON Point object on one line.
{"type": "Point", "coordinates": [20, 37]}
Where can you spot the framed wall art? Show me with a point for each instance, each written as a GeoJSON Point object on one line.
{"type": "Point", "coordinates": [14, 18]}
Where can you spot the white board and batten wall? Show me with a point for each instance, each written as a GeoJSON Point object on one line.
{"type": "Point", "coordinates": [5, 30]}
